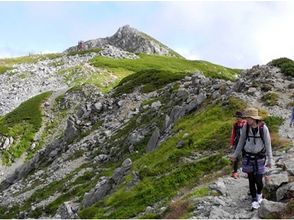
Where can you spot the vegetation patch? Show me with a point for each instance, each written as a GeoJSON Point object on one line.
{"type": "Point", "coordinates": [165, 64]}
{"type": "Point", "coordinates": [3, 69]}
{"type": "Point", "coordinates": [285, 64]}
{"type": "Point", "coordinates": [29, 59]}
{"type": "Point", "coordinates": [22, 124]}
{"type": "Point", "coordinates": [177, 210]}
{"type": "Point", "coordinates": [150, 80]}
{"type": "Point", "coordinates": [270, 99]}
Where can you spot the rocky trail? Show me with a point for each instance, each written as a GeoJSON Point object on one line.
{"type": "Point", "coordinates": [234, 201]}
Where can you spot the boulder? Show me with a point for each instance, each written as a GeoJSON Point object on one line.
{"type": "Point", "coordinates": [102, 188]}
{"type": "Point", "coordinates": [270, 209]}
{"type": "Point", "coordinates": [68, 210]}
{"type": "Point", "coordinates": [153, 141]}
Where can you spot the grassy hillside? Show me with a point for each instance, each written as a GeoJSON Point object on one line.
{"type": "Point", "coordinates": [153, 72]}
{"type": "Point", "coordinates": [21, 124]}
{"type": "Point", "coordinates": [170, 64]}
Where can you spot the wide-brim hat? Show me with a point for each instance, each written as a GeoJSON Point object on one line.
{"type": "Point", "coordinates": [251, 113]}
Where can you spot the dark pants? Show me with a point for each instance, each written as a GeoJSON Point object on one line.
{"type": "Point", "coordinates": [255, 184]}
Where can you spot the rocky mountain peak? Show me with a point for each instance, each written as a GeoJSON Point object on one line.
{"type": "Point", "coordinates": [126, 30]}
{"type": "Point", "coordinates": [129, 39]}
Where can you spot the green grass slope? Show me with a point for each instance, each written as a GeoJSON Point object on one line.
{"type": "Point", "coordinates": [153, 72]}
{"type": "Point", "coordinates": [22, 124]}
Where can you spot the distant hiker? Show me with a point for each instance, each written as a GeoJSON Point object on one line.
{"type": "Point", "coordinates": [255, 143]}
{"type": "Point", "coordinates": [292, 118]}
{"type": "Point", "coordinates": [235, 136]}
{"type": "Point", "coordinates": [81, 45]}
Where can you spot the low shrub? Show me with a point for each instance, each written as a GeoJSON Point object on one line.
{"type": "Point", "coordinates": [270, 99]}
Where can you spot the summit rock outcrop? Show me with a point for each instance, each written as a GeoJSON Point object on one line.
{"type": "Point", "coordinates": [129, 39]}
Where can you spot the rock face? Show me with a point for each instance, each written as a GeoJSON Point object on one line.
{"type": "Point", "coordinates": [128, 39]}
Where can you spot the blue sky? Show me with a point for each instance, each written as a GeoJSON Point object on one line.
{"type": "Point", "coordinates": [235, 34]}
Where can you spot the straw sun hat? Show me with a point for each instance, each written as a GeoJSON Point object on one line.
{"type": "Point", "coordinates": [251, 113]}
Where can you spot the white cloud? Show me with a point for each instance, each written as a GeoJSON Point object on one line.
{"type": "Point", "coordinates": [274, 38]}
{"type": "Point", "coordinates": [188, 54]}
{"type": "Point", "coordinates": [236, 34]}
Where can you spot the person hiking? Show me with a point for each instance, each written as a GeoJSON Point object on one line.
{"type": "Point", "coordinates": [292, 118]}
{"type": "Point", "coordinates": [255, 143]}
{"type": "Point", "coordinates": [235, 135]}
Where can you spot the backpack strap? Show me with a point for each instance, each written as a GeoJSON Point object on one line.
{"type": "Point", "coordinates": [261, 133]}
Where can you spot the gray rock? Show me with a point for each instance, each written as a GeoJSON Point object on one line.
{"type": "Point", "coordinates": [166, 123]}
{"type": "Point", "coordinates": [182, 94]}
{"type": "Point", "coordinates": [102, 158]}
{"type": "Point", "coordinates": [289, 166]}
{"type": "Point", "coordinates": [276, 180]}
{"type": "Point", "coordinates": [176, 113]}
{"type": "Point", "coordinates": [68, 210]}
{"type": "Point", "coordinates": [102, 188]}
{"type": "Point", "coordinates": [291, 86]}
{"type": "Point", "coordinates": [200, 98]}
{"type": "Point", "coordinates": [286, 191]}
{"type": "Point", "coordinates": [156, 105]}
{"type": "Point", "coordinates": [269, 209]}
{"type": "Point", "coordinates": [70, 130]}
{"type": "Point", "coordinates": [219, 186]}
{"type": "Point", "coordinates": [219, 213]}
{"type": "Point", "coordinates": [120, 172]}
{"type": "Point", "coordinates": [153, 141]}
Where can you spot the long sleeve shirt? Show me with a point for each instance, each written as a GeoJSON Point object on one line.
{"type": "Point", "coordinates": [254, 145]}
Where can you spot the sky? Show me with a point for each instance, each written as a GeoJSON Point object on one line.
{"type": "Point", "coordinates": [237, 34]}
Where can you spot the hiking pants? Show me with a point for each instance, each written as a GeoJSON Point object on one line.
{"type": "Point", "coordinates": [255, 184]}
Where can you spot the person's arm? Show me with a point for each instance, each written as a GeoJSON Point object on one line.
{"type": "Point", "coordinates": [292, 117]}
{"type": "Point", "coordinates": [241, 142]}
{"type": "Point", "coordinates": [268, 146]}
{"type": "Point", "coordinates": [233, 135]}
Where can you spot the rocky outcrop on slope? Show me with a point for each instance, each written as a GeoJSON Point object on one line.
{"type": "Point", "coordinates": [128, 39]}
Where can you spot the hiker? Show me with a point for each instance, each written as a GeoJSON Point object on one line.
{"type": "Point", "coordinates": [235, 135]}
{"type": "Point", "coordinates": [292, 118]}
{"type": "Point", "coordinates": [255, 143]}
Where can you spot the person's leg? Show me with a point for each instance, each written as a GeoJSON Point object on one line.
{"type": "Point", "coordinates": [235, 165]}
{"type": "Point", "coordinates": [252, 182]}
{"type": "Point", "coordinates": [252, 187]}
{"type": "Point", "coordinates": [259, 183]}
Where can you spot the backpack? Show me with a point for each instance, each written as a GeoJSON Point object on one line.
{"type": "Point", "coordinates": [261, 153]}
{"type": "Point", "coordinates": [237, 128]}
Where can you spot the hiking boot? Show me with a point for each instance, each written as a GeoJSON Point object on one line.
{"type": "Point", "coordinates": [235, 175]}
{"type": "Point", "coordinates": [259, 198]}
{"type": "Point", "coordinates": [255, 205]}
